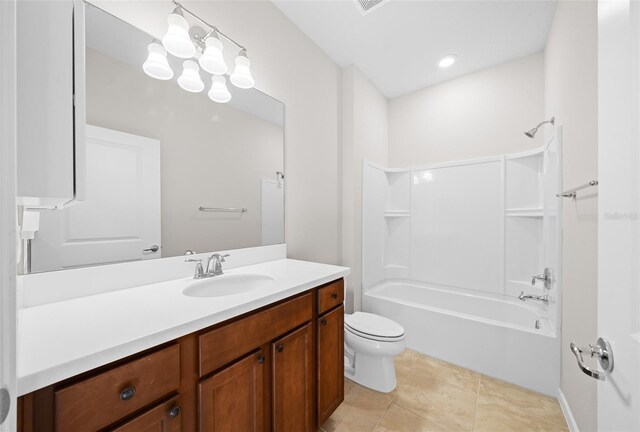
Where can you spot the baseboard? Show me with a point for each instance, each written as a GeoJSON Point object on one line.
{"type": "Point", "coordinates": [566, 410]}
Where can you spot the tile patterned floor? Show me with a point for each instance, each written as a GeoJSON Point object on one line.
{"type": "Point", "coordinates": [434, 396]}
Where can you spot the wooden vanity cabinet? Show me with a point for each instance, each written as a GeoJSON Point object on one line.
{"type": "Point", "coordinates": [330, 362]}
{"type": "Point", "coordinates": [232, 399]}
{"type": "Point", "coordinates": [292, 360]}
{"type": "Point", "coordinates": [279, 368]}
{"type": "Point", "coordinates": [164, 417]}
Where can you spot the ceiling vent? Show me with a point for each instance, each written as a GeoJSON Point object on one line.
{"type": "Point", "coordinates": [368, 6]}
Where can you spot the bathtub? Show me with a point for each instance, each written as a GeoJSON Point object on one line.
{"type": "Point", "coordinates": [506, 339]}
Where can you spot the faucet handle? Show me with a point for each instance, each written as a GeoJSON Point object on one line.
{"type": "Point", "coordinates": [221, 258]}
{"type": "Point", "coordinates": [199, 273]}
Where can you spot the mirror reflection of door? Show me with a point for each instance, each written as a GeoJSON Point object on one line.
{"type": "Point", "coordinates": [121, 215]}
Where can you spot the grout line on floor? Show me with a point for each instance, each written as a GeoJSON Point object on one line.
{"type": "Point", "coordinates": [386, 410]}
{"type": "Point", "coordinates": [475, 413]}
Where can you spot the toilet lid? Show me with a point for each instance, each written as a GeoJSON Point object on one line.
{"type": "Point", "coordinates": [373, 325]}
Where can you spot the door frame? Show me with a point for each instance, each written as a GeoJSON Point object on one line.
{"type": "Point", "coordinates": [8, 218]}
{"type": "Point", "coordinates": [618, 211]}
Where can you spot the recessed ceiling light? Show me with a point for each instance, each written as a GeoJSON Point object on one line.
{"type": "Point", "coordinates": [448, 60]}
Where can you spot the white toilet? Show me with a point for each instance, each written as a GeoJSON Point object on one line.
{"type": "Point", "coordinates": [370, 343]}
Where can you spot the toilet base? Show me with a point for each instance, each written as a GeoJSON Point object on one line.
{"type": "Point", "coordinates": [374, 372]}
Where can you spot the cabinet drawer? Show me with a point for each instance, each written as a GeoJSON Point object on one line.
{"type": "Point", "coordinates": [107, 397]}
{"type": "Point", "coordinates": [330, 295]}
{"type": "Point", "coordinates": [229, 342]}
{"type": "Point", "coordinates": [161, 418]}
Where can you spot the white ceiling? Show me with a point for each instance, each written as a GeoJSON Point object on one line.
{"type": "Point", "coordinates": [398, 45]}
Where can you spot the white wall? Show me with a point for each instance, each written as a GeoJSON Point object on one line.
{"type": "Point", "coordinates": [292, 69]}
{"type": "Point", "coordinates": [212, 155]}
{"type": "Point", "coordinates": [571, 95]}
{"type": "Point", "coordinates": [480, 114]}
{"type": "Point", "coordinates": [365, 131]}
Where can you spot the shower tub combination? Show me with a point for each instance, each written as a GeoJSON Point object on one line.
{"type": "Point", "coordinates": [447, 250]}
{"type": "Point", "coordinates": [502, 338]}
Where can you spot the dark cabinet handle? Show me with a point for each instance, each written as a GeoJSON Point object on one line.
{"type": "Point", "coordinates": [128, 393]}
{"type": "Point", "coordinates": [334, 295]}
{"type": "Point", "coordinates": [279, 348]}
{"type": "Point", "coordinates": [260, 359]}
{"type": "Point", "coordinates": [323, 321]}
{"type": "Point", "coordinates": [174, 412]}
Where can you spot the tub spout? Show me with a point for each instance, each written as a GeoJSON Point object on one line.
{"type": "Point", "coordinates": [544, 299]}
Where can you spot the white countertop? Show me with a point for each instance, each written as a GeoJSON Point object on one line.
{"type": "Point", "coordinates": [63, 339]}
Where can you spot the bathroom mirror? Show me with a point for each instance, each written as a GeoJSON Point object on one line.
{"type": "Point", "coordinates": [167, 170]}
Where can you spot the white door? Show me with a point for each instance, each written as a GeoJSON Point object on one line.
{"type": "Point", "coordinates": [7, 217]}
{"type": "Point", "coordinates": [272, 215]}
{"type": "Point", "coordinates": [120, 218]}
{"type": "Point", "coordinates": [619, 210]}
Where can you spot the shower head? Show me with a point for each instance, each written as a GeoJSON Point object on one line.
{"type": "Point", "coordinates": [532, 133]}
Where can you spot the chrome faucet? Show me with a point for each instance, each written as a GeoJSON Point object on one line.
{"type": "Point", "coordinates": [215, 259]}
{"type": "Point", "coordinates": [546, 277]}
{"type": "Point", "coordinates": [544, 299]}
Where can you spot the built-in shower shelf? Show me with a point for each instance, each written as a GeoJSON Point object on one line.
{"type": "Point", "coordinates": [392, 271]}
{"type": "Point", "coordinates": [395, 267]}
{"type": "Point", "coordinates": [396, 213]}
{"type": "Point", "coordinates": [525, 212]}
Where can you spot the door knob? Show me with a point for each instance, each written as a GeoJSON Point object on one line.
{"type": "Point", "coordinates": [153, 248]}
{"type": "Point", "coordinates": [5, 404]}
{"type": "Point", "coordinates": [602, 350]}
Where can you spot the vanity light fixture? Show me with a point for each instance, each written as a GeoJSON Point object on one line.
{"type": "Point", "coordinates": [156, 65]}
{"type": "Point", "coordinates": [219, 91]}
{"type": "Point", "coordinates": [177, 40]}
{"type": "Point", "coordinates": [241, 76]}
{"type": "Point", "coordinates": [190, 79]}
{"type": "Point", "coordinates": [212, 60]}
{"type": "Point", "coordinates": [198, 47]}
{"type": "Point", "coordinates": [447, 61]}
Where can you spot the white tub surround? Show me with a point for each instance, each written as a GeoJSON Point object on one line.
{"type": "Point", "coordinates": [61, 339]}
{"type": "Point", "coordinates": [466, 238]}
{"type": "Point", "coordinates": [494, 336]}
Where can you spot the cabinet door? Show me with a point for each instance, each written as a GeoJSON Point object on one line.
{"type": "Point", "coordinates": [232, 399]}
{"type": "Point", "coordinates": [292, 386]}
{"type": "Point", "coordinates": [162, 418]}
{"type": "Point", "coordinates": [330, 363]}
{"type": "Point", "coordinates": [50, 103]}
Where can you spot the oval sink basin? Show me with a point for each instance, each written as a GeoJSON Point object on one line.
{"type": "Point", "coordinates": [227, 285]}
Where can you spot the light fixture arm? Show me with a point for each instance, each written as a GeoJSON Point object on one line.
{"type": "Point", "coordinates": [212, 27]}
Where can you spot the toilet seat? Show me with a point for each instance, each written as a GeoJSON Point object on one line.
{"type": "Point", "coordinates": [374, 327]}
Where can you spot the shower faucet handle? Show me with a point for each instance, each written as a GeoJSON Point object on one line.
{"type": "Point", "coordinates": [546, 277]}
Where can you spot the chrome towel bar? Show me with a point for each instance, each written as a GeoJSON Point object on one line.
{"type": "Point", "coordinates": [223, 209]}
{"type": "Point", "coordinates": [571, 193]}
